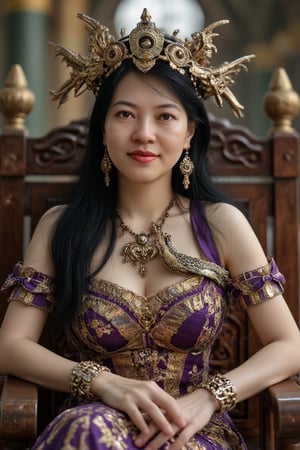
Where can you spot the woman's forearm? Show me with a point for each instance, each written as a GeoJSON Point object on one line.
{"type": "Point", "coordinates": [28, 360]}
{"type": "Point", "coordinates": [271, 364]}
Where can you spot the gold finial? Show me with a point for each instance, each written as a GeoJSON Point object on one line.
{"type": "Point", "coordinates": [16, 100]}
{"type": "Point", "coordinates": [281, 102]}
{"type": "Point", "coordinates": [145, 17]}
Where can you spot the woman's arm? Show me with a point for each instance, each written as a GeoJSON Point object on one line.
{"type": "Point", "coordinates": [22, 356]}
{"type": "Point", "coordinates": [20, 353]}
{"type": "Point", "coordinates": [272, 320]}
{"type": "Point", "coordinates": [279, 357]}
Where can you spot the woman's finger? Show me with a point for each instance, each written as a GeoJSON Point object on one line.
{"type": "Point", "coordinates": [138, 418]}
{"type": "Point", "coordinates": [160, 439]}
{"type": "Point", "coordinates": [169, 410]}
{"type": "Point", "coordinates": [161, 408]}
{"type": "Point", "coordinates": [143, 438]}
{"type": "Point", "coordinates": [158, 419]}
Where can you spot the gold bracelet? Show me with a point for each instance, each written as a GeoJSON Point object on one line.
{"type": "Point", "coordinates": [82, 376]}
{"type": "Point", "coordinates": [223, 390]}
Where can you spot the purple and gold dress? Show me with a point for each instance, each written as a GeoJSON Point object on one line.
{"type": "Point", "coordinates": [166, 337]}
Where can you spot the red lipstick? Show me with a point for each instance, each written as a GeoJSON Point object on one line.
{"type": "Point", "coordinates": [143, 156]}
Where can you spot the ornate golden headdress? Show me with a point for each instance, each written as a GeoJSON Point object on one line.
{"type": "Point", "coordinates": [144, 46]}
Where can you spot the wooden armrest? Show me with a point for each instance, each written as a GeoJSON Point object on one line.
{"type": "Point", "coordinates": [281, 415]}
{"type": "Point", "coordinates": [18, 410]}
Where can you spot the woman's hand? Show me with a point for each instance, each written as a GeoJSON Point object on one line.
{"type": "Point", "coordinates": [144, 402]}
{"type": "Point", "coordinates": [196, 408]}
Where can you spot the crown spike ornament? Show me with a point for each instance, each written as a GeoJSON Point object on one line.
{"type": "Point", "coordinates": [144, 46]}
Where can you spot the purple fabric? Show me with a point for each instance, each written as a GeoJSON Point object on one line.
{"type": "Point", "coordinates": [202, 231]}
{"type": "Point", "coordinates": [31, 287]}
{"type": "Point", "coordinates": [256, 279]}
{"type": "Point", "coordinates": [31, 280]}
{"type": "Point", "coordinates": [258, 285]}
{"type": "Point", "coordinates": [95, 426]}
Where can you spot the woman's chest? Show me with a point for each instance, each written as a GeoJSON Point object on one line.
{"type": "Point", "coordinates": [137, 262]}
{"type": "Point", "coordinates": [187, 316]}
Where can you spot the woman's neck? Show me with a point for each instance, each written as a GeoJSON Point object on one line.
{"type": "Point", "coordinates": [143, 204]}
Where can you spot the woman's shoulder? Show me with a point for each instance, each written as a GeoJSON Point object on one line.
{"type": "Point", "coordinates": [219, 215]}
{"type": "Point", "coordinates": [38, 254]}
{"type": "Point", "coordinates": [228, 220]}
{"type": "Point", "coordinates": [48, 221]}
{"type": "Point", "coordinates": [223, 214]}
{"type": "Point", "coordinates": [237, 242]}
{"type": "Point", "coordinates": [51, 216]}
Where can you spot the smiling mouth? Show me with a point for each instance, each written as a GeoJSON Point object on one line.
{"type": "Point", "coordinates": [143, 156]}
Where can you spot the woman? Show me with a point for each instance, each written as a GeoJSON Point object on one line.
{"type": "Point", "coordinates": [140, 266]}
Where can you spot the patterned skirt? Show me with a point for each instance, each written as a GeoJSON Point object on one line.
{"type": "Point", "coordinates": [95, 426]}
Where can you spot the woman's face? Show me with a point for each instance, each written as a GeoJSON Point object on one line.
{"type": "Point", "coordinates": [146, 129]}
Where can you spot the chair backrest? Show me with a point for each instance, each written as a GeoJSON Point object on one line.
{"type": "Point", "coordinates": [261, 172]}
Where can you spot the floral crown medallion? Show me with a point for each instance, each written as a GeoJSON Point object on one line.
{"type": "Point", "coordinates": [144, 46]}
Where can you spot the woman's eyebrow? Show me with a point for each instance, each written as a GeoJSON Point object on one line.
{"type": "Point", "coordinates": [133, 105]}
{"type": "Point", "coordinates": [124, 103]}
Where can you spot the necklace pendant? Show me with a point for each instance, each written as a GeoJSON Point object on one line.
{"type": "Point", "coordinates": [140, 252]}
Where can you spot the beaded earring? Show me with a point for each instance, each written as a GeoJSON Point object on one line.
{"type": "Point", "coordinates": [186, 168]}
{"type": "Point", "coordinates": [106, 167]}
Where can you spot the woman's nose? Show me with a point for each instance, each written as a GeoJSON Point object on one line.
{"type": "Point", "coordinates": [144, 131]}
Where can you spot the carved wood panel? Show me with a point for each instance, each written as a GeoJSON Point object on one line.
{"type": "Point", "coordinates": [59, 152]}
{"type": "Point", "coordinates": [234, 150]}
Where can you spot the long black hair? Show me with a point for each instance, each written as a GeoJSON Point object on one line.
{"type": "Point", "coordinates": [90, 219]}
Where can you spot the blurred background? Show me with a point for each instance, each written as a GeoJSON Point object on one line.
{"type": "Point", "coordinates": [268, 28]}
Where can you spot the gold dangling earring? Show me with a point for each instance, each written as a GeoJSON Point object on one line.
{"type": "Point", "coordinates": [106, 167]}
{"type": "Point", "coordinates": [186, 168]}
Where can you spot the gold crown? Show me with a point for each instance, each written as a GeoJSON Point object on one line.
{"type": "Point", "coordinates": [144, 46]}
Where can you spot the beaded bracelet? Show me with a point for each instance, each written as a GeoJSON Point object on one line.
{"type": "Point", "coordinates": [82, 376]}
{"type": "Point", "coordinates": [223, 390]}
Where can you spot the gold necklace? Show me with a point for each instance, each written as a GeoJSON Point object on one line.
{"type": "Point", "coordinates": [142, 250]}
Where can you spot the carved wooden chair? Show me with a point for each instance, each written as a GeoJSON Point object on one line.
{"type": "Point", "coordinates": [262, 173]}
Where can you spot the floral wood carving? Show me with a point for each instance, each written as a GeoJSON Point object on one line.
{"type": "Point", "coordinates": [237, 149]}
{"type": "Point", "coordinates": [234, 147]}
{"type": "Point", "coordinates": [230, 349]}
{"type": "Point", "coordinates": [60, 151]}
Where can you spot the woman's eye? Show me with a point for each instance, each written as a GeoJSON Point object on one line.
{"type": "Point", "coordinates": [166, 116]}
{"type": "Point", "coordinates": [124, 114]}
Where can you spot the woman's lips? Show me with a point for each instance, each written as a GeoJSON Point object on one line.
{"type": "Point", "coordinates": [143, 156]}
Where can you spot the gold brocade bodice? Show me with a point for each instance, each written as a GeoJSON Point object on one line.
{"type": "Point", "coordinates": [166, 337]}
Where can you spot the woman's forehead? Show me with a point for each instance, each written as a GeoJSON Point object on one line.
{"type": "Point", "coordinates": [144, 84]}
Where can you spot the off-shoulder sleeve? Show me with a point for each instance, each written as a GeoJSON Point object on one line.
{"type": "Point", "coordinates": [30, 287]}
{"type": "Point", "coordinates": [256, 286]}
